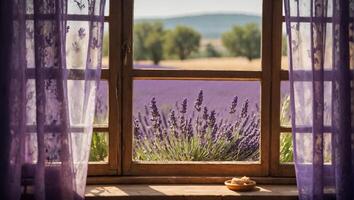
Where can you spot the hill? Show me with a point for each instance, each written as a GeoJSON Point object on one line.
{"type": "Point", "coordinates": [209, 25]}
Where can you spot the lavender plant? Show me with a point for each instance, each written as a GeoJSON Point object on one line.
{"type": "Point", "coordinates": [197, 135]}
{"type": "Point", "coordinates": [286, 142]}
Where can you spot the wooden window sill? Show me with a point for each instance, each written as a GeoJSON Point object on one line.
{"type": "Point", "coordinates": [188, 192]}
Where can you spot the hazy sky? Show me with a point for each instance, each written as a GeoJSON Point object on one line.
{"type": "Point", "coordinates": [166, 8]}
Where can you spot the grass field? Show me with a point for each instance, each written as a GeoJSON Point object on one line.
{"type": "Point", "coordinates": [223, 63]}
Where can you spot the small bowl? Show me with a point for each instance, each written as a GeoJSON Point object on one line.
{"type": "Point", "coordinates": [237, 187]}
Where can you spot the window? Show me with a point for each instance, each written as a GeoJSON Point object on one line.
{"type": "Point", "coordinates": [104, 155]}
{"type": "Point", "coordinates": [197, 109]}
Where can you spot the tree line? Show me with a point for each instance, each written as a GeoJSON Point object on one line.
{"type": "Point", "coordinates": [153, 42]}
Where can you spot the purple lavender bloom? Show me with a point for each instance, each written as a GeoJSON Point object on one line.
{"type": "Point", "coordinates": [228, 134]}
{"type": "Point", "coordinates": [198, 103]}
{"type": "Point", "coordinates": [233, 105]}
{"type": "Point", "coordinates": [155, 115]}
{"type": "Point", "coordinates": [214, 133]}
{"type": "Point", "coordinates": [137, 131]}
{"type": "Point", "coordinates": [212, 119]}
{"type": "Point", "coordinates": [146, 110]}
{"type": "Point", "coordinates": [184, 107]}
{"type": "Point", "coordinates": [172, 121]}
{"type": "Point", "coordinates": [244, 111]}
{"type": "Point", "coordinates": [190, 129]}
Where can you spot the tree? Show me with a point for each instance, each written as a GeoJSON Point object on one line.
{"type": "Point", "coordinates": [182, 42]}
{"type": "Point", "coordinates": [243, 41]}
{"type": "Point", "coordinates": [148, 41]}
{"type": "Point", "coordinates": [211, 52]}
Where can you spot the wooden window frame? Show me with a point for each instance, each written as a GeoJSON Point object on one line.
{"type": "Point", "coordinates": [278, 75]}
{"type": "Point", "coordinates": [120, 76]}
{"type": "Point", "coordinates": [110, 75]}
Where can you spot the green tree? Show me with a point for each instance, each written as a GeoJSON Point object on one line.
{"type": "Point", "coordinates": [211, 52]}
{"type": "Point", "coordinates": [182, 42]}
{"type": "Point", "coordinates": [148, 41]}
{"type": "Point", "coordinates": [243, 41]}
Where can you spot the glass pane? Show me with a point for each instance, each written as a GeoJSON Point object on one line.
{"type": "Point", "coordinates": [106, 10]}
{"type": "Point", "coordinates": [82, 7]}
{"type": "Point", "coordinates": [285, 113]}
{"type": "Point", "coordinates": [197, 35]}
{"type": "Point", "coordinates": [196, 120]}
{"type": "Point", "coordinates": [105, 47]}
{"type": "Point", "coordinates": [102, 108]}
{"type": "Point", "coordinates": [284, 50]}
{"type": "Point", "coordinates": [76, 44]}
{"type": "Point", "coordinates": [99, 147]}
{"type": "Point", "coordinates": [286, 148]}
{"type": "Point", "coordinates": [305, 146]}
{"type": "Point", "coordinates": [327, 148]}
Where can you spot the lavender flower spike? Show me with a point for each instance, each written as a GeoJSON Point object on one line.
{"type": "Point", "coordinates": [198, 103]}
{"type": "Point", "coordinates": [155, 115]}
{"type": "Point", "coordinates": [244, 111]}
{"type": "Point", "coordinates": [205, 114]}
{"type": "Point", "coordinates": [233, 105]}
{"type": "Point", "coordinates": [172, 121]}
{"type": "Point", "coordinates": [184, 107]}
{"type": "Point", "coordinates": [212, 119]}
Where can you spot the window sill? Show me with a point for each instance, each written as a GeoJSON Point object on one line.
{"type": "Point", "coordinates": [186, 192]}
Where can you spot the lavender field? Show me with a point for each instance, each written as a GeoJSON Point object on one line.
{"type": "Point", "coordinates": [196, 120]}
{"type": "Point", "coordinates": [219, 128]}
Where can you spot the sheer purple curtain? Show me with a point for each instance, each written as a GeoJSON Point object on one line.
{"type": "Point", "coordinates": [321, 57]}
{"type": "Point", "coordinates": [50, 91]}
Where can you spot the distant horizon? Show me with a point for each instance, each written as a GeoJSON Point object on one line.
{"type": "Point", "coordinates": [172, 8]}
{"type": "Point", "coordinates": [198, 14]}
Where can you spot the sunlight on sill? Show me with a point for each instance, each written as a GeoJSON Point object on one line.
{"type": "Point", "coordinates": [195, 191]}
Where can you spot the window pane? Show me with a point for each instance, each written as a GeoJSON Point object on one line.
{"type": "Point", "coordinates": [305, 146]}
{"type": "Point", "coordinates": [286, 148]}
{"type": "Point", "coordinates": [284, 50]}
{"type": "Point", "coordinates": [99, 147]}
{"type": "Point", "coordinates": [105, 47]}
{"type": "Point", "coordinates": [76, 44]}
{"type": "Point", "coordinates": [197, 35]}
{"type": "Point", "coordinates": [196, 120]}
{"type": "Point", "coordinates": [285, 113]}
{"type": "Point", "coordinates": [102, 108]}
{"type": "Point", "coordinates": [106, 10]}
{"type": "Point", "coordinates": [82, 7]}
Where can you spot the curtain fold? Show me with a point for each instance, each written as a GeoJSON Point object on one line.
{"type": "Point", "coordinates": [50, 92]}
{"type": "Point", "coordinates": [321, 60]}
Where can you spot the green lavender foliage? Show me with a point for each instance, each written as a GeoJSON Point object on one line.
{"type": "Point", "coordinates": [286, 142]}
{"type": "Point", "coordinates": [99, 147]}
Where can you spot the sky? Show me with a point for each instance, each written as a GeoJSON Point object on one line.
{"type": "Point", "coordinates": [170, 8]}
